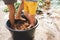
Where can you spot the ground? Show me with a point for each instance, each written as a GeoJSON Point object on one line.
{"type": "Point", "coordinates": [48, 28]}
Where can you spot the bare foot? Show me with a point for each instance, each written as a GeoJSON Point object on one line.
{"type": "Point", "coordinates": [15, 26]}
{"type": "Point", "coordinates": [21, 18]}
{"type": "Point", "coordinates": [31, 25]}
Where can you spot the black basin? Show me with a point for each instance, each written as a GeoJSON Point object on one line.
{"type": "Point", "coordinates": [22, 34]}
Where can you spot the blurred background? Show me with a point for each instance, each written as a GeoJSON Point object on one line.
{"type": "Point", "coordinates": [48, 16]}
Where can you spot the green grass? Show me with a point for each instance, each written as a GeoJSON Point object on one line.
{"type": "Point", "coordinates": [16, 7]}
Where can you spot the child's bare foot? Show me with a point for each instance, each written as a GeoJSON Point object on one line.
{"type": "Point", "coordinates": [21, 18]}
{"type": "Point", "coordinates": [14, 26]}
{"type": "Point", "coordinates": [32, 24]}
{"type": "Point", "coordinates": [29, 26]}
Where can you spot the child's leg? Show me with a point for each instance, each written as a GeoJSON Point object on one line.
{"type": "Point", "coordinates": [19, 11]}
{"type": "Point", "coordinates": [12, 13]}
{"type": "Point", "coordinates": [10, 4]}
{"type": "Point", "coordinates": [30, 14]}
{"type": "Point", "coordinates": [31, 18]}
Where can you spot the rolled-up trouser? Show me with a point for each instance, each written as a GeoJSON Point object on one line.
{"type": "Point", "coordinates": [9, 1]}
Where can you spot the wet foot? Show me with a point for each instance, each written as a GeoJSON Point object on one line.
{"type": "Point", "coordinates": [32, 24]}
{"type": "Point", "coordinates": [15, 26]}
{"type": "Point", "coordinates": [20, 18]}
